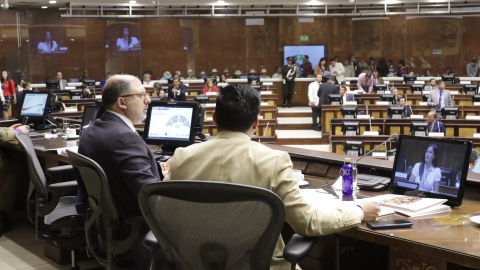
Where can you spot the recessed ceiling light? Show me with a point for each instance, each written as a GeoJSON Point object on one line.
{"type": "Point", "coordinates": [132, 2]}
{"type": "Point", "coordinates": [52, 2]}
{"type": "Point", "coordinates": [72, 39]}
{"type": "Point", "coordinates": [44, 7]}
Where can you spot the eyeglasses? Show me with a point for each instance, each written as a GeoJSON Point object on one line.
{"type": "Point", "coordinates": [142, 95]}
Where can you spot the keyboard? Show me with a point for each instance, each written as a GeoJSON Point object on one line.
{"type": "Point", "coordinates": [372, 182]}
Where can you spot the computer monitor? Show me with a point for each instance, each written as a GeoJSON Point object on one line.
{"type": "Point", "coordinates": [171, 124]}
{"type": "Point", "coordinates": [388, 97]}
{"type": "Point", "coordinates": [202, 99]}
{"type": "Point", "coordinates": [90, 113]}
{"type": "Point", "coordinates": [410, 79]}
{"type": "Point", "coordinates": [396, 112]}
{"type": "Point", "coordinates": [351, 128]}
{"type": "Point", "coordinates": [448, 79]}
{"type": "Point", "coordinates": [75, 93]}
{"type": "Point", "coordinates": [419, 128]}
{"type": "Point", "coordinates": [89, 83]}
{"type": "Point", "coordinates": [380, 88]}
{"type": "Point", "coordinates": [353, 148]}
{"type": "Point", "coordinates": [470, 89]}
{"type": "Point", "coordinates": [335, 99]}
{"type": "Point", "coordinates": [476, 98]}
{"type": "Point", "coordinates": [450, 113]}
{"type": "Point", "coordinates": [349, 112]}
{"type": "Point", "coordinates": [52, 85]}
{"type": "Point", "coordinates": [36, 106]}
{"type": "Point", "coordinates": [417, 89]}
{"type": "Point", "coordinates": [448, 169]}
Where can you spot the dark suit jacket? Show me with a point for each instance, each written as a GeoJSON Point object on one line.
{"type": "Point", "coordinates": [408, 110]}
{"type": "Point", "coordinates": [325, 90]}
{"type": "Point", "coordinates": [124, 157]}
{"type": "Point", "coordinates": [180, 95]}
{"type": "Point", "coordinates": [436, 125]}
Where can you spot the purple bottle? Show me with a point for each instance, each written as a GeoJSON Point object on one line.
{"type": "Point", "coordinates": [347, 187]}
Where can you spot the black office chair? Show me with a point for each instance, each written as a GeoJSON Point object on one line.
{"type": "Point", "coordinates": [105, 232]}
{"type": "Point", "coordinates": [216, 224]}
{"type": "Point", "coordinates": [55, 216]}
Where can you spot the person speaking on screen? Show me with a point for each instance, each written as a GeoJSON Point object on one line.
{"type": "Point", "coordinates": [426, 173]}
{"type": "Point", "coordinates": [127, 43]}
{"type": "Point", "coordinates": [48, 46]}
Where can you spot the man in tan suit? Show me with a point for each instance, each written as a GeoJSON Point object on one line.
{"type": "Point", "coordinates": [233, 158]}
{"type": "Point", "coordinates": [376, 78]}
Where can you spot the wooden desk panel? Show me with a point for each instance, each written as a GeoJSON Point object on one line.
{"type": "Point", "coordinates": [377, 125]}
{"type": "Point", "coordinates": [272, 99]}
{"type": "Point", "coordinates": [453, 127]}
{"type": "Point", "coordinates": [370, 142]}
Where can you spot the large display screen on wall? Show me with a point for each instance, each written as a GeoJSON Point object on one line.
{"type": "Point", "coordinates": [315, 53]}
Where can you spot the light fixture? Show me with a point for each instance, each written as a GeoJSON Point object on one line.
{"type": "Point", "coordinates": [155, 2]}
{"type": "Point", "coordinates": [72, 39]}
{"type": "Point", "coordinates": [44, 7]}
{"type": "Point", "coordinates": [221, 2]}
{"type": "Point", "coordinates": [132, 2]}
{"type": "Point", "coordinates": [52, 2]}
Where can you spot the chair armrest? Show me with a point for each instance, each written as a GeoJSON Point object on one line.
{"type": "Point", "coordinates": [62, 187]}
{"type": "Point", "coordinates": [298, 247]}
{"type": "Point", "coordinates": [60, 171]}
{"type": "Point", "coordinates": [151, 241]}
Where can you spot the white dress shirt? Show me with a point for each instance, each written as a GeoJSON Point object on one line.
{"type": "Point", "coordinates": [123, 43]}
{"type": "Point", "coordinates": [125, 119]}
{"type": "Point", "coordinates": [312, 93]}
{"type": "Point", "coordinates": [429, 177]}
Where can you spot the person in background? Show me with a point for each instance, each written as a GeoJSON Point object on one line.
{"type": "Point", "coordinates": [321, 67]}
{"type": "Point", "coordinates": [179, 73]}
{"type": "Point", "coordinates": [162, 95]}
{"type": "Point", "coordinates": [406, 108]}
{"type": "Point", "coordinates": [306, 67]}
{"type": "Point", "coordinates": [326, 89]}
{"type": "Point", "coordinates": [8, 182]}
{"type": "Point", "coordinates": [147, 79]}
{"type": "Point", "coordinates": [214, 74]}
{"type": "Point", "coordinates": [365, 82]}
{"type": "Point", "coordinates": [86, 93]}
{"type": "Point", "coordinates": [167, 75]}
{"type": "Point", "coordinates": [298, 69]}
{"type": "Point", "coordinates": [472, 161]}
{"type": "Point", "coordinates": [149, 71]}
{"type": "Point", "coordinates": [411, 73]}
{"type": "Point", "coordinates": [392, 71]}
{"type": "Point", "coordinates": [177, 90]}
{"type": "Point", "coordinates": [289, 72]}
{"type": "Point", "coordinates": [342, 90]}
{"type": "Point", "coordinates": [472, 68]}
{"type": "Point", "coordinates": [103, 81]}
{"type": "Point", "coordinates": [432, 85]}
{"type": "Point", "coordinates": [209, 87]}
{"type": "Point", "coordinates": [20, 86]}
{"type": "Point", "coordinates": [382, 68]}
{"type": "Point", "coordinates": [376, 78]}
{"type": "Point", "coordinates": [227, 75]}
{"type": "Point", "coordinates": [237, 74]}
{"type": "Point", "coordinates": [191, 75]}
{"type": "Point", "coordinates": [451, 73]}
{"type": "Point", "coordinates": [236, 116]}
{"type": "Point", "coordinates": [278, 73]}
{"type": "Point", "coordinates": [349, 69]}
{"type": "Point", "coordinates": [426, 173]}
{"type": "Point", "coordinates": [176, 76]}
{"type": "Point", "coordinates": [372, 65]}
{"type": "Point", "coordinates": [252, 72]}
{"type": "Point", "coordinates": [61, 82]}
{"type": "Point", "coordinates": [126, 42]}
{"type": "Point", "coordinates": [27, 86]}
{"type": "Point", "coordinates": [394, 91]}
{"type": "Point", "coordinates": [223, 79]}
{"type": "Point", "coordinates": [263, 74]}
{"type": "Point", "coordinates": [48, 46]}
{"type": "Point", "coordinates": [434, 124]}
{"type": "Point", "coordinates": [9, 94]}
{"type": "Point", "coordinates": [156, 89]}
{"type": "Point", "coordinates": [344, 84]}
{"type": "Point", "coordinates": [313, 100]}
{"type": "Point", "coordinates": [447, 71]}
{"type": "Point", "coordinates": [402, 69]}
{"type": "Point", "coordinates": [337, 70]}
{"type": "Point", "coordinates": [427, 73]}
{"type": "Point", "coordinates": [354, 63]}
{"type": "Point", "coordinates": [440, 98]}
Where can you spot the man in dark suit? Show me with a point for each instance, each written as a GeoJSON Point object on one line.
{"type": "Point", "coordinates": [114, 144]}
{"type": "Point", "coordinates": [345, 97]}
{"type": "Point", "coordinates": [177, 90]}
{"type": "Point", "coordinates": [326, 89]}
{"type": "Point", "coordinates": [406, 108]}
{"type": "Point", "coordinates": [434, 125]}
{"type": "Point", "coordinates": [61, 82]}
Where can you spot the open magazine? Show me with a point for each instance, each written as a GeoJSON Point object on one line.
{"type": "Point", "coordinates": [412, 206]}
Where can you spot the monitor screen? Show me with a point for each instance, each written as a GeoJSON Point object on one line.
{"type": "Point", "coordinates": [433, 167]}
{"type": "Point", "coordinates": [315, 53]}
{"type": "Point", "coordinates": [89, 115]}
{"type": "Point", "coordinates": [170, 123]}
{"type": "Point", "coordinates": [34, 104]}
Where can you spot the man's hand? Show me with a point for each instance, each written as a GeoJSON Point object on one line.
{"type": "Point", "coordinates": [24, 128]}
{"type": "Point", "coordinates": [370, 210]}
{"type": "Point", "coordinates": [166, 167]}
{"type": "Point", "coordinates": [174, 90]}
{"type": "Point", "coordinates": [312, 104]}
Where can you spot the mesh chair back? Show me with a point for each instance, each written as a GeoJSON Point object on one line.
{"type": "Point", "coordinates": [101, 214]}
{"type": "Point", "coordinates": [201, 224]}
{"type": "Point", "coordinates": [37, 177]}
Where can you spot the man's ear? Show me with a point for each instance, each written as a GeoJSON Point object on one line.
{"type": "Point", "coordinates": [214, 118]}
{"type": "Point", "coordinates": [255, 124]}
{"type": "Point", "coordinates": [121, 103]}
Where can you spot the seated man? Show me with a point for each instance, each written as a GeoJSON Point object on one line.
{"type": "Point", "coordinates": [376, 79]}
{"type": "Point", "coordinates": [219, 159]}
{"type": "Point", "coordinates": [86, 93]}
{"type": "Point", "coordinates": [177, 90]}
{"type": "Point", "coordinates": [406, 108]}
{"type": "Point", "coordinates": [115, 145]}
{"type": "Point", "coordinates": [473, 159]}
{"type": "Point", "coordinates": [345, 97]}
{"type": "Point", "coordinates": [394, 91]}
{"type": "Point", "coordinates": [434, 125]}
{"type": "Point", "coordinates": [432, 85]}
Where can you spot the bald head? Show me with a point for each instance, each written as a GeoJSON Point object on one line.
{"type": "Point", "coordinates": [116, 86]}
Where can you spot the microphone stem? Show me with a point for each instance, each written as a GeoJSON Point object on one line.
{"type": "Point", "coordinates": [356, 161]}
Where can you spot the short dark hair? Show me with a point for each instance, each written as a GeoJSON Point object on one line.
{"type": "Point", "coordinates": [389, 61]}
{"type": "Point", "coordinates": [440, 81]}
{"type": "Point", "coordinates": [402, 62]}
{"type": "Point", "coordinates": [306, 56]}
{"type": "Point", "coordinates": [400, 98]}
{"type": "Point", "coordinates": [432, 79]}
{"type": "Point", "coordinates": [332, 78]}
{"type": "Point", "coordinates": [24, 85]}
{"type": "Point", "coordinates": [375, 71]}
{"type": "Point", "coordinates": [473, 156]}
{"type": "Point", "coordinates": [332, 59]}
{"type": "Point", "coordinates": [372, 58]}
{"type": "Point", "coordinates": [237, 107]}
{"type": "Point", "coordinates": [84, 86]}
{"type": "Point", "coordinates": [175, 79]}
{"type": "Point", "coordinates": [115, 87]}
{"type": "Point", "coordinates": [342, 86]}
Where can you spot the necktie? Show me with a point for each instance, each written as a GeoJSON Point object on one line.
{"type": "Point", "coordinates": [440, 100]}
{"type": "Point", "coordinates": [61, 85]}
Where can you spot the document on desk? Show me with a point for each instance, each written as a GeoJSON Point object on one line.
{"type": "Point", "coordinates": [320, 198]}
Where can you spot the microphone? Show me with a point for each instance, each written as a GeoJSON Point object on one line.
{"type": "Point", "coordinates": [392, 137]}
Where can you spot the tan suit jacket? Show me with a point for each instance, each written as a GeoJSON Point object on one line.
{"type": "Point", "coordinates": [233, 158]}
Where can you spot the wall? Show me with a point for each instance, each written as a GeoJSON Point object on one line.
{"type": "Point", "coordinates": [203, 44]}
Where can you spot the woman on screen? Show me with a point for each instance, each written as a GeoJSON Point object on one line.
{"type": "Point", "coordinates": [127, 43]}
{"type": "Point", "coordinates": [48, 46]}
{"type": "Point", "coordinates": [426, 173]}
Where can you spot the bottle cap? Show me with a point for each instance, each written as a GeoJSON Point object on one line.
{"type": "Point", "coordinates": [347, 160]}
